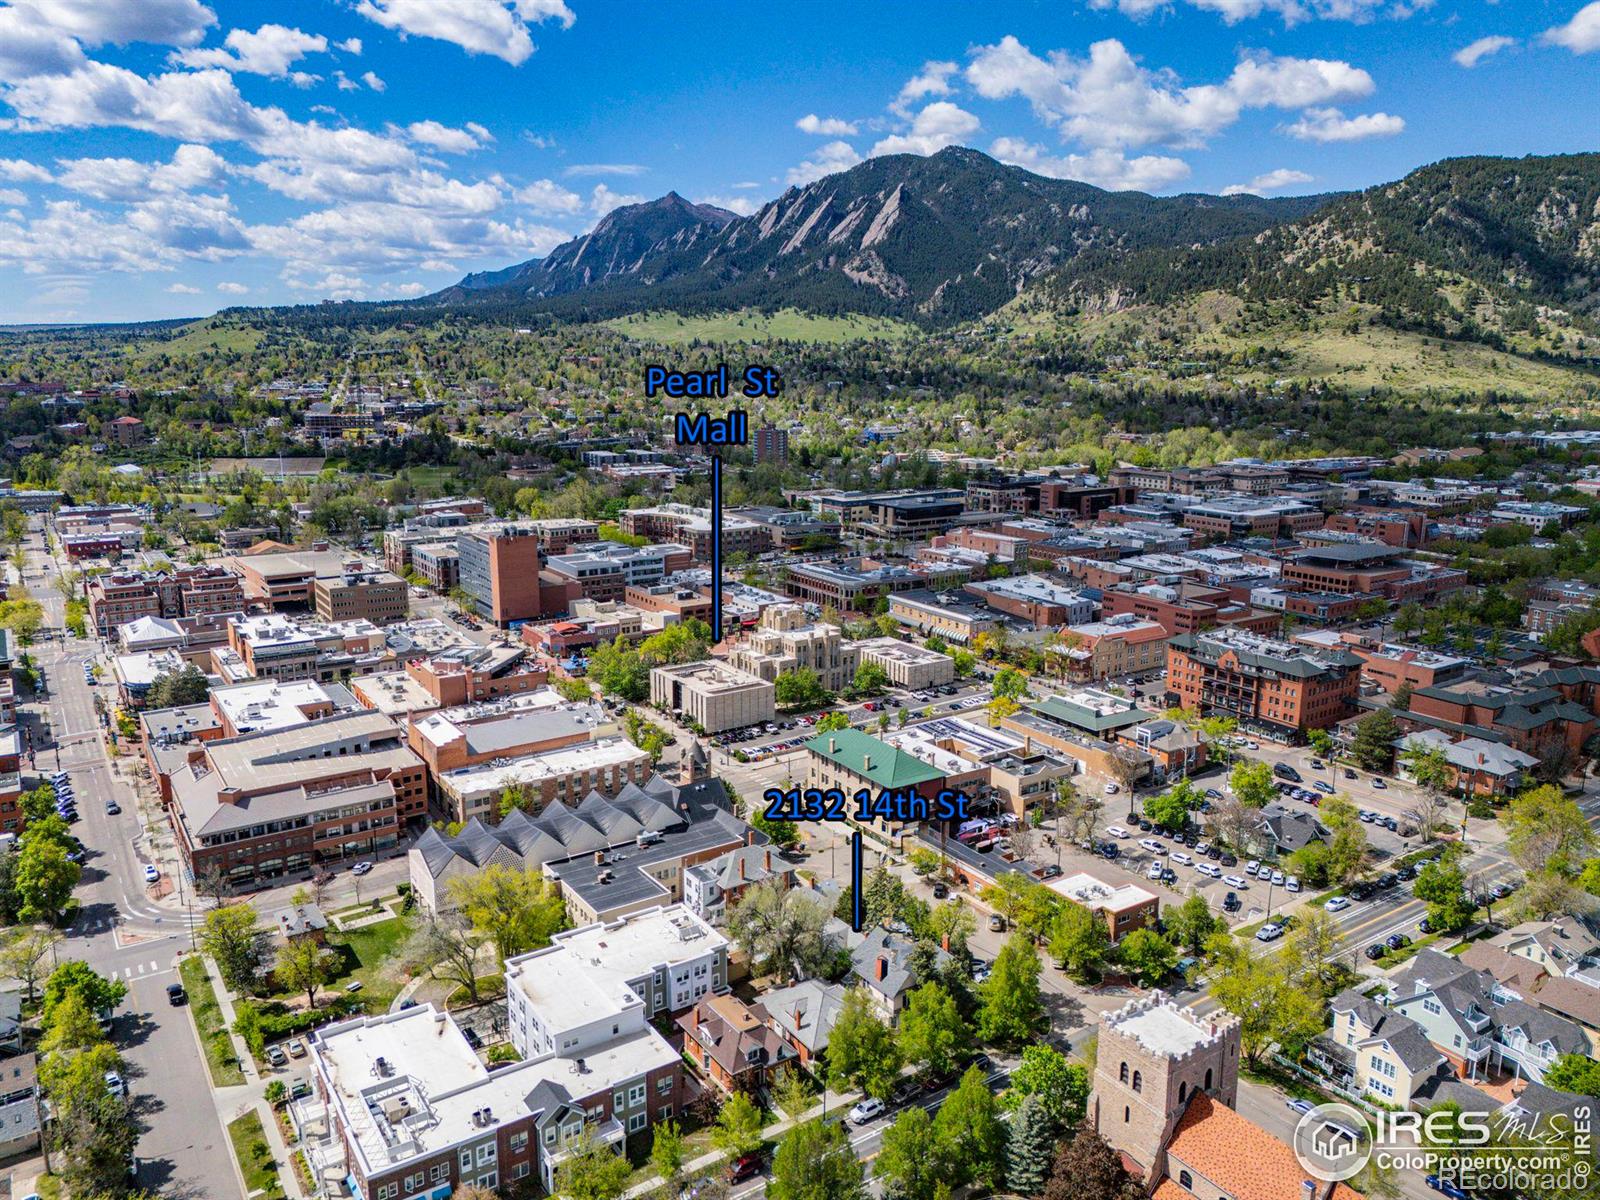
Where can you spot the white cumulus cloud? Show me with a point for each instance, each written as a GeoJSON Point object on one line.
{"type": "Point", "coordinates": [1271, 181]}
{"type": "Point", "coordinates": [270, 50]}
{"type": "Point", "coordinates": [1292, 12]}
{"type": "Point", "coordinates": [825, 126]}
{"type": "Point", "coordinates": [938, 125]}
{"type": "Point", "coordinates": [370, 78]}
{"type": "Point", "coordinates": [932, 80]}
{"type": "Point", "coordinates": [478, 26]}
{"type": "Point", "coordinates": [549, 199]}
{"type": "Point", "coordinates": [1581, 35]}
{"type": "Point", "coordinates": [232, 289]}
{"type": "Point", "coordinates": [1474, 53]}
{"type": "Point", "coordinates": [182, 289]}
{"type": "Point", "coordinates": [827, 159]}
{"type": "Point", "coordinates": [1105, 168]}
{"type": "Point", "coordinates": [123, 22]}
{"type": "Point", "coordinates": [443, 137]}
{"type": "Point", "coordinates": [1331, 125]}
{"type": "Point", "coordinates": [602, 200]}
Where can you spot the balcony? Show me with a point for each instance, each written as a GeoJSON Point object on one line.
{"type": "Point", "coordinates": [603, 1133]}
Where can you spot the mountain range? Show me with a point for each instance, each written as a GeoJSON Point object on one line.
{"type": "Point", "coordinates": [937, 240]}
{"type": "Point", "coordinates": [1475, 248]}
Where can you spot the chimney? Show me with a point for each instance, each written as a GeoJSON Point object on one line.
{"type": "Point", "coordinates": [750, 836]}
{"type": "Point", "coordinates": [944, 943]}
{"type": "Point", "coordinates": [833, 745]}
{"type": "Point", "coordinates": [767, 860]}
{"type": "Point", "coordinates": [883, 967]}
{"type": "Point", "coordinates": [599, 858]}
{"type": "Point", "coordinates": [741, 869]}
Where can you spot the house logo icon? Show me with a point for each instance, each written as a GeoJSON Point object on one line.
{"type": "Point", "coordinates": [1332, 1142]}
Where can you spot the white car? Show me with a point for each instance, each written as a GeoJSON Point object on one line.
{"type": "Point", "coordinates": [1112, 789]}
{"type": "Point", "coordinates": [867, 1110]}
{"type": "Point", "coordinates": [1252, 868]}
{"type": "Point", "coordinates": [1155, 872]}
{"type": "Point", "coordinates": [1203, 848]}
{"type": "Point", "coordinates": [1292, 884]}
{"type": "Point", "coordinates": [115, 1084]}
{"type": "Point", "coordinates": [1211, 870]}
{"type": "Point", "coordinates": [1152, 845]}
{"type": "Point", "coordinates": [361, 868]}
{"type": "Point", "coordinates": [1277, 878]}
{"type": "Point", "coordinates": [1116, 831]}
{"type": "Point", "coordinates": [151, 873]}
{"type": "Point", "coordinates": [1181, 859]}
{"type": "Point", "coordinates": [1235, 881]}
{"type": "Point", "coordinates": [1269, 933]}
{"type": "Point", "coordinates": [1337, 904]}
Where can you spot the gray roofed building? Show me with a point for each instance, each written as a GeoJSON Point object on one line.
{"type": "Point", "coordinates": [883, 964]}
{"type": "Point", "coordinates": [1286, 830]}
{"type": "Point", "coordinates": [803, 1015]}
{"type": "Point", "coordinates": [710, 888]}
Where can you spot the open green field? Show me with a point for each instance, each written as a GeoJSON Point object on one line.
{"type": "Point", "coordinates": [368, 954]}
{"type": "Point", "coordinates": [202, 336]}
{"type": "Point", "coordinates": [747, 325]}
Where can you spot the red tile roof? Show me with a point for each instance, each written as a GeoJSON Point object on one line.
{"type": "Point", "coordinates": [1236, 1155]}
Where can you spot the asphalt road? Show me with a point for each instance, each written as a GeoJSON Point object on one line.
{"type": "Point", "coordinates": [121, 931]}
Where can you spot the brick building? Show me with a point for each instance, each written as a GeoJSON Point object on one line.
{"type": "Point", "coordinates": [1271, 687]}
{"type": "Point", "coordinates": [121, 597]}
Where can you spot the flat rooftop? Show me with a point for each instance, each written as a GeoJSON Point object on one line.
{"type": "Point", "coordinates": [1162, 1028]}
{"type": "Point", "coordinates": [620, 951]}
{"type": "Point", "coordinates": [492, 778]}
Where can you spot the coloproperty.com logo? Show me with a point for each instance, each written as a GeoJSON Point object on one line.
{"type": "Point", "coordinates": [1334, 1142]}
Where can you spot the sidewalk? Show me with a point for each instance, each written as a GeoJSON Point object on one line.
{"type": "Point", "coordinates": [252, 1094]}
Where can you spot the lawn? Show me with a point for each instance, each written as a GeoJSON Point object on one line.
{"type": "Point", "coordinates": [368, 956]}
{"type": "Point", "coordinates": [747, 325]}
{"type": "Point", "coordinates": [256, 1163]}
{"type": "Point", "coordinates": [207, 1014]}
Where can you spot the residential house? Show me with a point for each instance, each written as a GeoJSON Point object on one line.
{"type": "Point", "coordinates": [728, 1040]}
{"type": "Point", "coordinates": [883, 964]}
{"type": "Point", "coordinates": [803, 1015]}
{"type": "Point", "coordinates": [1373, 1050]}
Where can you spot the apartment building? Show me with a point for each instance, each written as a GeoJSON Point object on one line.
{"type": "Point", "coordinates": [908, 666]}
{"type": "Point", "coordinates": [852, 584]}
{"type": "Point", "coordinates": [1112, 648]}
{"type": "Point", "coordinates": [1035, 599]}
{"type": "Point", "coordinates": [359, 592]}
{"type": "Point", "coordinates": [404, 1106]}
{"type": "Point", "coordinates": [953, 616]}
{"type": "Point", "coordinates": [787, 640]}
{"type": "Point", "coordinates": [1183, 606]}
{"type": "Point", "coordinates": [1044, 494]}
{"type": "Point", "coordinates": [438, 563]}
{"type": "Point", "coordinates": [118, 598]}
{"type": "Point", "coordinates": [279, 802]}
{"type": "Point", "coordinates": [852, 761]}
{"type": "Point", "coordinates": [126, 431]}
{"type": "Point", "coordinates": [1369, 567]}
{"type": "Point", "coordinates": [499, 570]}
{"type": "Point", "coordinates": [564, 774]}
{"type": "Point", "coordinates": [1247, 516]}
{"type": "Point", "coordinates": [509, 727]}
{"type": "Point", "coordinates": [713, 695]}
{"type": "Point", "coordinates": [1542, 715]}
{"type": "Point", "coordinates": [895, 517]}
{"type": "Point", "coordinates": [605, 571]}
{"type": "Point", "coordinates": [272, 646]}
{"type": "Point", "coordinates": [770, 443]}
{"type": "Point", "coordinates": [691, 527]}
{"type": "Point", "coordinates": [1271, 687]}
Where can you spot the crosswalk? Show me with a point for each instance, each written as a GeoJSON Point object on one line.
{"type": "Point", "coordinates": [138, 969]}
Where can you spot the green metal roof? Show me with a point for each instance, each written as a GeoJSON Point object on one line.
{"type": "Point", "coordinates": [1065, 712]}
{"type": "Point", "coordinates": [890, 768]}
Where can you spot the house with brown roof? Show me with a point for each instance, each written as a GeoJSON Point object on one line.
{"type": "Point", "coordinates": [732, 1045]}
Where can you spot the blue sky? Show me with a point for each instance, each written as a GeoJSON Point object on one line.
{"type": "Point", "coordinates": [161, 158]}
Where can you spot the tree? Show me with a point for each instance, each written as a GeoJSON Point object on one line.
{"type": "Point", "coordinates": [1546, 830]}
{"type": "Point", "coordinates": [1013, 1008]}
{"type": "Point", "coordinates": [784, 929]}
{"type": "Point", "coordinates": [870, 679]}
{"type": "Point", "coordinates": [1023, 902]}
{"type": "Point", "coordinates": [574, 691]}
{"type": "Point", "coordinates": [515, 910]}
{"type": "Point", "coordinates": [861, 1049]}
{"type": "Point", "coordinates": [1148, 956]}
{"type": "Point", "coordinates": [666, 1151]}
{"type": "Point", "coordinates": [23, 957]}
{"type": "Point", "coordinates": [791, 1092]}
{"type": "Point", "coordinates": [620, 671]}
{"type": "Point", "coordinates": [1061, 1088]}
{"type": "Point", "coordinates": [38, 803]}
{"type": "Point", "coordinates": [1252, 783]}
{"type": "Point", "coordinates": [1009, 683]}
{"type": "Point", "coordinates": [816, 1162]}
{"type": "Point", "coordinates": [1347, 841]}
{"type": "Point", "coordinates": [909, 1162]}
{"type": "Point", "coordinates": [1408, 618]}
{"type": "Point", "coordinates": [932, 1035]}
{"type": "Point", "coordinates": [1171, 809]}
{"type": "Point", "coordinates": [44, 880]}
{"type": "Point", "coordinates": [687, 642]}
{"type": "Point", "coordinates": [1576, 1073]}
{"type": "Point", "coordinates": [1270, 1005]}
{"type": "Point", "coordinates": [1314, 952]}
{"type": "Point", "coordinates": [304, 966]}
{"type": "Point", "coordinates": [1000, 708]}
{"type": "Point", "coordinates": [969, 1133]}
{"type": "Point", "coordinates": [1125, 765]}
{"type": "Point", "coordinates": [783, 834]}
{"type": "Point", "coordinates": [1030, 1148]}
{"type": "Point", "coordinates": [178, 688]}
{"type": "Point", "coordinates": [952, 925]}
{"type": "Point", "coordinates": [1373, 744]}
{"type": "Point", "coordinates": [1191, 925]}
{"type": "Point", "coordinates": [99, 994]}
{"type": "Point", "coordinates": [239, 947]}
{"type": "Point", "coordinates": [800, 688]}
{"type": "Point", "coordinates": [592, 1171]}
{"type": "Point", "coordinates": [73, 1026]}
{"type": "Point", "coordinates": [1321, 742]}
{"type": "Point", "coordinates": [1444, 886]}
{"type": "Point", "coordinates": [738, 1128]}
{"type": "Point", "coordinates": [1548, 894]}
{"type": "Point", "coordinates": [1079, 941]}
{"type": "Point", "coordinates": [445, 946]}
{"type": "Point", "coordinates": [1089, 1169]}
{"type": "Point", "coordinates": [1079, 812]}
{"type": "Point", "coordinates": [832, 722]}
{"type": "Point", "coordinates": [93, 1134]}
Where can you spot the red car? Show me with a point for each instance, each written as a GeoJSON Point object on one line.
{"type": "Point", "coordinates": [747, 1166]}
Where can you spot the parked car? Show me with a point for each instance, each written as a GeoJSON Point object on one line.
{"type": "Point", "coordinates": [1229, 860]}
{"type": "Point", "coordinates": [940, 891]}
{"type": "Point", "coordinates": [151, 873]}
{"type": "Point", "coordinates": [1112, 789]}
{"type": "Point", "coordinates": [1277, 878]}
{"type": "Point", "coordinates": [1235, 881]}
{"type": "Point", "coordinates": [297, 1048]}
{"type": "Point", "coordinates": [1397, 941]}
{"type": "Point", "coordinates": [867, 1110]}
{"type": "Point", "coordinates": [1349, 774]}
{"type": "Point", "coordinates": [176, 996]}
{"type": "Point", "coordinates": [113, 808]}
{"type": "Point", "coordinates": [1337, 904]}
{"type": "Point", "coordinates": [1182, 859]}
{"type": "Point", "coordinates": [277, 1057]}
{"type": "Point", "coordinates": [1378, 783]}
{"type": "Point", "coordinates": [1231, 903]}
{"type": "Point", "coordinates": [1269, 933]}
{"type": "Point", "coordinates": [1375, 951]}
{"type": "Point", "coordinates": [746, 1166]}
{"type": "Point", "coordinates": [1300, 1106]}
{"type": "Point", "coordinates": [1252, 868]}
{"type": "Point", "coordinates": [1291, 883]}
{"type": "Point", "coordinates": [116, 1084]}
{"type": "Point", "coordinates": [997, 923]}
{"type": "Point", "coordinates": [299, 1088]}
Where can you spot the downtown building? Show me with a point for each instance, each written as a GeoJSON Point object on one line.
{"type": "Point", "coordinates": [1272, 688]}
{"type": "Point", "coordinates": [121, 597]}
